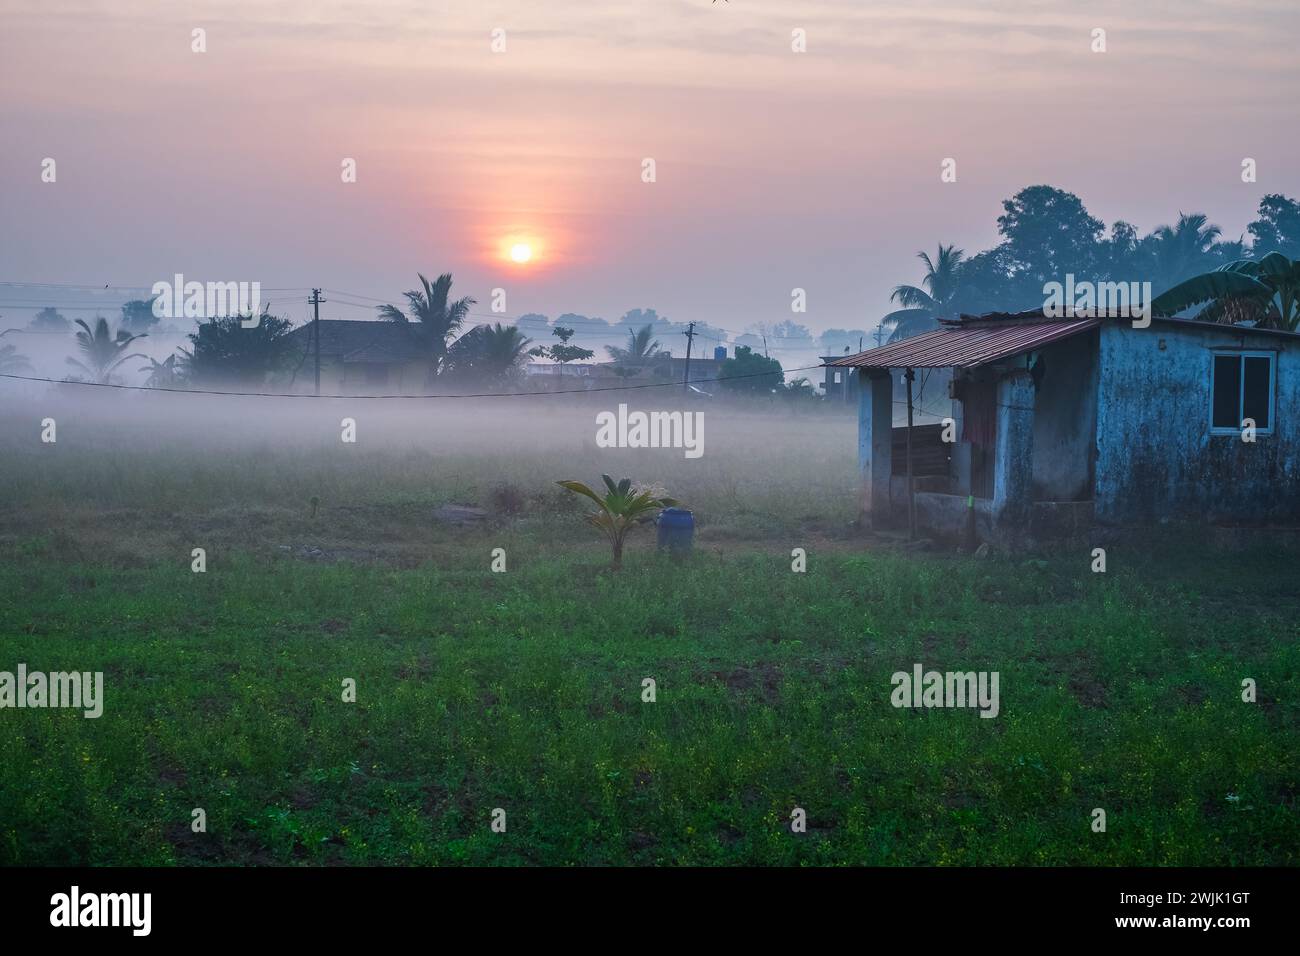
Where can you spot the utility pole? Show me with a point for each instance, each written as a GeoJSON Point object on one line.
{"type": "Point", "coordinates": [877, 335]}
{"type": "Point", "coordinates": [315, 302]}
{"type": "Point", "coordinates": [848, 373]}
{"type": "Point", "coordinates": [690, 334]}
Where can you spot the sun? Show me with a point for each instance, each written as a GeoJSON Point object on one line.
{"type": "Point", "coordinates": [521, 252]}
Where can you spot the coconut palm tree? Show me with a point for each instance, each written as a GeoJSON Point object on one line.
{"type": "Point", "coordinates": [11, 363]}
{"type": "Point", "coordinates": [490, 353]}
{"type": "Point", "coordinates": [164, 374]}
{"type": "Point", "coordinates": [103, 352]}
{"type": "Point", "coordinates": [1183, 249]}
{"type": "Point", "coordinates": [622, 508]}
{"type": "Point", "coordinates": [642, 352]}
{"type": "Point", "coordinates": [642, 349]}
{"type": "Point", "coordinates": [924, 306]}
{"type": "Point", "coordinates": [1264, 292]}
{"type": "Point", "coordinates": [435, 313]}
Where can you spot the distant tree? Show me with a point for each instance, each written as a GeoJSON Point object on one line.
{"type": "Point", "coordinates": [584, 326]}
{"type": "Point", "coordinates": [1278, 227]}
{"type": "Point", "coordinates": [799, 390]}
{"type": "Point", "coordinates": [11, 363]}
{"type": "Point", "coordinates": [1119, 255]}
{"type": "Point", "coordinates": [1182, 250]}
{"type": "Point", "coordinates": [165, 374]}
{"type": "Point", "coordinates": [138, 315]}
{"type": "Point", "coordinates": [223, 353]}
{"type": "Point", "coordinates": [711, 331]}
{"type": "Point", "coordinates": [533, 325]}
{"type": "Point", "coordinates": [641, 352]}
{"type": "Point", "coordinates": [49, 320]}
{"type": "Point", "coordinates": [636, 318]}
{"type": "Point", "coordinates": [789, 335]}
{"type": "Point", "coordinates": [834, 341]}
{"type": "Point", "coordinates": [750, 373]}
{"type": "Point", "coordinates": [102, 351]}
{"type": "Point", "coordinates": [490, 354]}
{"type": "Point", "coordinates": [934, 299]}
{"type": "Point", "coordinates": [1048, 233]}
{"type": "Point", "coordinates": [642, 348]}
{"type": "Point", "coordinates": [436, 314]}
{"type": "Point", "coordinates": [1231, 250]}
{"type": "Point", "coordinates": [988, 284]}
{"type": "Point", "coordinates": [562, 353]}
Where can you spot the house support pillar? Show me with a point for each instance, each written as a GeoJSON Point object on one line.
{"type": "Point", "coordinates": [1013, 461]}
{"type": "Point", "coordinates": [875, 445]}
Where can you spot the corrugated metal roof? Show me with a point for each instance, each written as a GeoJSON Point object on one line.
{"type": "Point", "coordinates": [374, 340]}
{"type": "Point", "coordinates": [966, 346]}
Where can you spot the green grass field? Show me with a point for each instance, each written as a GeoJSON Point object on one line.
{"type": "Point", "coordinates": [523, 690]}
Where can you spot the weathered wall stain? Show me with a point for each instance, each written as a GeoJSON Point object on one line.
{"type": "Point", "coordinates": [1156, 457]}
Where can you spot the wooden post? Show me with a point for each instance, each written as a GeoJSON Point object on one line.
{"type": "Point", "coordinates": [908, 375]}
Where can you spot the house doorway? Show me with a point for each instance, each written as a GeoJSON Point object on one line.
{"type": "Point", "coordinates": [979, 429]}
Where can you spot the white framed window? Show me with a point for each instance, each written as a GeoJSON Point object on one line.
{"type": "Point", "coordinates": [1242, 386]}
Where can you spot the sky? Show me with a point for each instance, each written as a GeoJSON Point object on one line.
{"type": "Point", "coordinates": [774, 170]}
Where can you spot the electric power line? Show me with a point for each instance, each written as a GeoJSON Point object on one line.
{"type": "Point", "coordinates": [562, 391]}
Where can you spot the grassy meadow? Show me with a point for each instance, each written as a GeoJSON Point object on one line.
{"type": "Point", "coordinates": [523, 690]}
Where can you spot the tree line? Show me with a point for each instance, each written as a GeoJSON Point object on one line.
{"type": "Point", "coordinates": [1044, 234]}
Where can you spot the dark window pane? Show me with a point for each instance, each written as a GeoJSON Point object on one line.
{"type": "Point", "coordinates": [1255, 401]}
{"type": "Point", "coordinates": [1227, 392]}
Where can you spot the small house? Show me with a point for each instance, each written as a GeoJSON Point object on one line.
{"type": "Point", "coordinates": [1057, 424]}
{"type": "Point", "coordinates": [836, 385]}
{"type": "Point", "coordinates": [361, 357]}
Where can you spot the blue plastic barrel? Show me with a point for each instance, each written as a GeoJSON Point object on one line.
{"type": "Point", "coordinates": [676, 530]}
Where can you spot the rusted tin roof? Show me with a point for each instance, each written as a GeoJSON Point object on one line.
{"type": "Point", "coordinates": [967, 345]}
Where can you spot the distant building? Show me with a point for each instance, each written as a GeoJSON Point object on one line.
{"type": "Point", "coordinates": [603, 374]}
{"type": "Point", "coordinates": [570, 375]}
{"type": "Point", "coordinates": [702, 369]}
{"type": "Point", "coordinates": [837, 385]}
{"type": "Point", "coordinates": [364, 357]}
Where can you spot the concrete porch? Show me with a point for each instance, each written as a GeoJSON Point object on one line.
{"type": "Point", "coordinates": [1004, 402]}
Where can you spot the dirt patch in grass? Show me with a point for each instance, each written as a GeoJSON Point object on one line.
{"type": "Point", "coordinates": [304, 798]}
{"type": "Point", "coordinates": [191, 847]}
{"type": "Point", "coordinates": [171, 775]}
{"type": "Point", "coordinates": [729, 835]}
{"type": "Point", "coordinates": [1089, 691]}
{"type": "Point", "coordinates": [764, 679]}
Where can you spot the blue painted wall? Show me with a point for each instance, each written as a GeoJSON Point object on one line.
{"type": "Point", "coordinates": [1065, 420]}
{"type": "Point", "coordinates": [1156, 457]}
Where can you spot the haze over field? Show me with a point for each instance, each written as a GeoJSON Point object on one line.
{"type": "Point", "coordinates": [774, 169]}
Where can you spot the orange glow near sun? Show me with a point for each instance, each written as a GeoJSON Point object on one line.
{"type": "Point", "coordinates": [520, 248]}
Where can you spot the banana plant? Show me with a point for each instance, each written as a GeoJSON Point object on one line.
{"type": "Point", "coordinates": [1265, 290]}
{"type": "Point", "coordinates": [622, 508]}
